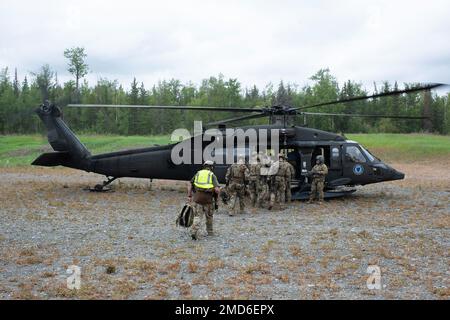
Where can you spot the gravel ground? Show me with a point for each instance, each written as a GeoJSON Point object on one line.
{"type": "Point", "coordinates": [128, 247]}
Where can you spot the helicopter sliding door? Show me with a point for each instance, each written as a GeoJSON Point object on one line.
{"type": "Point", "coordinates": [332, 157]}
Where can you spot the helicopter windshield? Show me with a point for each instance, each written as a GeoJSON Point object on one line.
{"type": "Point", "coordinates": [368, 154]}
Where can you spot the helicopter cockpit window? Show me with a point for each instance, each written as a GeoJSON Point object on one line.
{"type": "Point", "coordinates": [368, 154]}
{"type": "Point", "coordinates": [355, 154]}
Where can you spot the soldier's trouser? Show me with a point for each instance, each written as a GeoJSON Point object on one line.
{"type": "Point", "coordinates": [253, 189]}
{"type": "Point", "coordinates": [263, 193]}
{"type": "Point", "coordinates": [237, 193]}
{"type": "Point", "coordinates": [288, 194]}
{"type": "Point", "coordinates": [200, 211]}
{"type": "Point", "coordinates": [278, 192]}
{"type": "Point", "coordinates": [316, 187]}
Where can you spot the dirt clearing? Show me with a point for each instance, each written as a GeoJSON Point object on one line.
{"type": "Point", "coordinates": [127, 246]}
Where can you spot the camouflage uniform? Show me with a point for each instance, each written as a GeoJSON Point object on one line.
{"type": "Point", "coordinates": [264, 181]}
{"type": "Point", "coordinates": [236, 176]}
{"type": "Point", "coordinates": [254, 183]}
{"type": "Point", "coordinates": [319, 171]}
{"type": "Point", "coordinates": [263, 191]}
{"type": "Point", "coordinates": [289, 176]}
{"type": "Point", "coordinates": [200, 211]}
{"type": "Point", "coordinates": [278, 184]}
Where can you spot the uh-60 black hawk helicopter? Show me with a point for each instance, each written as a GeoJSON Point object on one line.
{"type": "Point", "coordinates": [349, 163]}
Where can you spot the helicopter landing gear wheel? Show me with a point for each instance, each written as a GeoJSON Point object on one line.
{"type": "Point", "coordinates": [103, 187]}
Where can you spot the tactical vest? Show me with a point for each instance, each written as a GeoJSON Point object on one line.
{"type": "Point", "coordinates": [320, 167]}
{"type": "Point", "coordinates": [237, 173]}
{"type": "Point", "coordinates": [203, 180]}
{"type": "Point", "coordinates": [281, 169]}
{"type": "Point", "coordinates": [255, 171]}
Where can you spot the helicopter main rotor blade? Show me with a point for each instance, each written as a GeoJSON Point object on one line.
{"type": "Point", "coordinates": [251, 116]}
{"type": "Point", "coordinates": [360, 115]}
{"type": "Point", "coordinates": [384, 94]}
{"type": "Point", "coordinates": [224, 109]}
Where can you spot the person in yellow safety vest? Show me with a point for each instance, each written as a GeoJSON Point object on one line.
{"type": "Point", "coordinates": [202, 191]}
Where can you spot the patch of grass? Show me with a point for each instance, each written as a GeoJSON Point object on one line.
{"type": "Point", "coordinates": [29, 256]}
{"type": "Point", "coordinates": [24, 293]}
{"type": "Point", "coordinates": [395, 147]}
{"type": "Point", "coordinates": [20, 150]}
{"type": "Point", "coordinates": [142, 265]}
{"type": "Point", "coordinates": [192, 267]}
{"type": "Point", "coordinates": [123, 289]}
{"type": "Point", "coordinates": [214, 264]}
{"type": "Point", "coordinates": [86, 292]}
{"type": "Point", "coordinates": [262, 268]}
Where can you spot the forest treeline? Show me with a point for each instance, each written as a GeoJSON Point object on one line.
{"type": "Point", "coordinates": [18, 98]}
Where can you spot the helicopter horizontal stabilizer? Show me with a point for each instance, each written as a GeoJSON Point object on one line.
{"type": "Point", "coordinates": [51, 159]}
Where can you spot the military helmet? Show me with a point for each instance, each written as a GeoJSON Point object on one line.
{"type": "Point", "coordinates": [208, 163]}
{"type": "Point", "coordinates": [320, 159]}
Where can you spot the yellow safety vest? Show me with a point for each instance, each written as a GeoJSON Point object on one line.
{"type": "Point", "coordinates": [204, 179]}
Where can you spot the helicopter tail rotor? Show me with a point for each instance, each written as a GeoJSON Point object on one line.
{"type": "Point", "coordinates": [69, 151]}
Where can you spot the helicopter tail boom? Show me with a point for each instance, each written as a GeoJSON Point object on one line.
{"type": "Point", "coordinates": [70, 152]}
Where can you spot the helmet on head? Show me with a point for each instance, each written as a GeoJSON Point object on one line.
{"type": "Point", "coordinates": [208, 163]}
{"type": "Point", "coordinates": [320, 159]}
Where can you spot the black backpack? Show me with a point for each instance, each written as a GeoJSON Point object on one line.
{"type": "Point", "coordinates": [186, 216]}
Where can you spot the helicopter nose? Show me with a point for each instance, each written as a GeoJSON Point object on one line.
{"type": "Point", "coordinates": [397, 175]}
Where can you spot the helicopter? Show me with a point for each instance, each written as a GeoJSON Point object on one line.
{"type": "Point", "coordinates": [349, 163]}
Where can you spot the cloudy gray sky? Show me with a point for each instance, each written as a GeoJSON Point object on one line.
{"type": "Point", "coordinates": [255, 41]}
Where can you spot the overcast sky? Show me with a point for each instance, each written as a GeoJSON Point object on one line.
{"type": "Point", "coordinates": [255, 41]}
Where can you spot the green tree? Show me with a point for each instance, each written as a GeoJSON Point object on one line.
{"type": "Point", "coordinates": [44, 81]}
{"type": "Point", "coordinates": [77, 65]}
{"type": "Point", "coordinates": [16, 84]}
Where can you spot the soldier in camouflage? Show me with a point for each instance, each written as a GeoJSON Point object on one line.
{"type": "Point", "coordinates": [289, 176]}
{"type": "Point", "coordinates": [318, 173]}
{"type": "Point", "coordinates": [277, 183]}
{"type": "Point", "coordinates": [254, 179]}
{"type": "Point", "coordinates": [236, 178]}
{"type": "Point", "coordinates": [263, 190]}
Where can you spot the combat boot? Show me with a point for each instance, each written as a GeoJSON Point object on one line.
{"type": "Point", "coordinates": [194, 236]}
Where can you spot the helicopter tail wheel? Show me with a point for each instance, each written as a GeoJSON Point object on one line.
{"type": "Point", "coordinates": [104, 186]}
